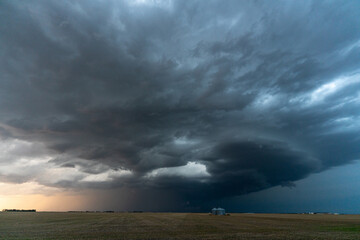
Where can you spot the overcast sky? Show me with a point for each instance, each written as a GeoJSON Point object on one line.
{"type": "Point", "coordinates": [180, 105]}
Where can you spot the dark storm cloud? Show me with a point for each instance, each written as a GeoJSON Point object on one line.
{"type": "Point", "coordinates": [211, 99]}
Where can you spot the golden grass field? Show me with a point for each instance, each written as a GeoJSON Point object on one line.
{"type": "Point", "coordinates": [47, 225]}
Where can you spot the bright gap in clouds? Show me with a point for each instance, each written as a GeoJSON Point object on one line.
{"type": "Point", "coordinates": [190, 170]}
{"type": "Point", "coordinates": [329, 88]}
{"type": "Point", "coordinates": [107, 176]}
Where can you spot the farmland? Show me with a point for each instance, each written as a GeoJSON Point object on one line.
{"type": "Point", "coordinates": [47, 225]}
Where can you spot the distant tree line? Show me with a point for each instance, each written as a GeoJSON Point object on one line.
{"type": "Point", "coordinates": [19, 210]}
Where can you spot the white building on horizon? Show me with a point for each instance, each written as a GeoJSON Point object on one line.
{"type": "Point", "coordinates": [218, 211]}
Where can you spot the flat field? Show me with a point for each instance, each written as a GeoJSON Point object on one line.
{"type": "Point", "coordinates": [47, 225]}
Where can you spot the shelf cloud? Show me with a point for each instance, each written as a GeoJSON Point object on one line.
{"type": "Point", "coordinates": [201, 99]}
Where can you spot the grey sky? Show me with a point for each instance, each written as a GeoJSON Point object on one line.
{"type": "Point", "coordinates": [194, 100]}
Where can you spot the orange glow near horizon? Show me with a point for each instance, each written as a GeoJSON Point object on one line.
{"type": "Point", "coordinates": [41, 198]}
{"type": "Point", "coordinates": [41, 202]}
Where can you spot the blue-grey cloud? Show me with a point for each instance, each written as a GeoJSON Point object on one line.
{"type": "Point", "coordinates": [200, 99]}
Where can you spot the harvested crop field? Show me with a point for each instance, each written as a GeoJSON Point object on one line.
{"type": "Point", "coordinates": [46, 225]}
